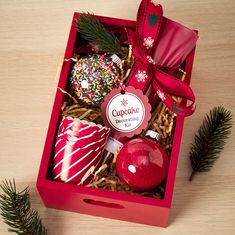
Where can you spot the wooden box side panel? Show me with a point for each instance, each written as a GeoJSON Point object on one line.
{"type": "Point", "coordinates": [104, 207]}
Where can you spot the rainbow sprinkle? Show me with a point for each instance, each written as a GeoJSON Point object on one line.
{"type": "Point", "coordinates": [93, 77]}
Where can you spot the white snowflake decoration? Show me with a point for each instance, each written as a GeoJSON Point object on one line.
{"type": "Point", "coordinates": [161, 95]}
{"type": "Point", "coordinates": [154, 2]}
{"type": "Point", "coordinates": [150, 59]}
{"type": "Point", "coordinates": [124, 102]}
{"type": "Point", "coordinates": [148, 42]}
{"type": "Point", "coordinates": [141, 76]}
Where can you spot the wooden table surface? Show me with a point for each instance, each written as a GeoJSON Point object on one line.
{"type": "Point", "coordinates": [33, 36]}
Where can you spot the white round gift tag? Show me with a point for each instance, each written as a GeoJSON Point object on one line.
{"type": "Point", "coordinates": [126, 113]}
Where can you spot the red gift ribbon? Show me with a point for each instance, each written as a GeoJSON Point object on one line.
{"type": "Point", "coordinates": [145, 71]}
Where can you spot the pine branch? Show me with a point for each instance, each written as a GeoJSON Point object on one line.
{"type": "Point", "coordinates": [97, 35]}
{"type": "Point", "coordinates": [210, 140]}
{"type": "Point", "coordinates": [16, 211]}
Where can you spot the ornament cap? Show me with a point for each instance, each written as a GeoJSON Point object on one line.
{"type": "Point", "coordinates": [153, 135]}
{"type": "Point", "coordinates": [116, 59]}
{"type": "Point", "coordinates": [113, 145]}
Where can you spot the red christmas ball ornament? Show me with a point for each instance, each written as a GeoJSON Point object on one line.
{"type": "Point", "coordinates": [142, 164]}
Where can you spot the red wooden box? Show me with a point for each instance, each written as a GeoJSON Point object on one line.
{"type": "Point", "coordinates": [100, 202]}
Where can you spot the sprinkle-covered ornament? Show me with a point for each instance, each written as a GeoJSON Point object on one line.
{"type": "Point", "coordinates": [142, 164]}
{"type": "Point", "coordinates": [93, 77]}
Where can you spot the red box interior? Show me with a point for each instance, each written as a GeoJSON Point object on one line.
{"type": "Point", "coordinates": [100, 202]}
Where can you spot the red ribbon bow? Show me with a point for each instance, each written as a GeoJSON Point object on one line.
{"type": "Point", "coordinates": [145, 71]}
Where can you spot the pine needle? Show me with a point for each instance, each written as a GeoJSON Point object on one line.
{"type": "Point", "coordinates": [97, 35]}
{"type": "Point", "coordinates": [16, 211]}
{"type": "Point", "coordinates": [210, 140]}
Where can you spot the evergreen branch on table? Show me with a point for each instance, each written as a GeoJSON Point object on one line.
{"type": "Point", "coordinates": [15, 208]}
{"type": "Point", "coordinates": [97, 35]}
{"type": "Point", "coordinates": [210, 140]}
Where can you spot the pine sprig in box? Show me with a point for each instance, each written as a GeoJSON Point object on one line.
{"type": "Point", "coordinates": [161, 52]}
